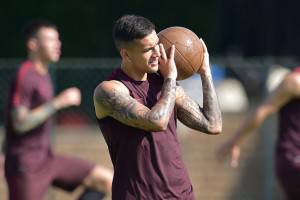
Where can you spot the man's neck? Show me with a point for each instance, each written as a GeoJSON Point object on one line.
{"type": "Point", "coordinates": [135, 75]}
{"type": "Point", "coordinates": [40, 65]}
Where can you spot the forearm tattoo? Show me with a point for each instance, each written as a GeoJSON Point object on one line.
{"type": "Point", "coordinates": [190, 114]}
{"type": "Point", "coordinates": [121, 106]}
{"type": "Point", "coordinates": [211, 107]}
{"type": "Point", "coordinates": [165, 105]}
{"type": "Point", "coordinates": [203, 119]}
{"type": "Point", "coordinates": [27, 120]}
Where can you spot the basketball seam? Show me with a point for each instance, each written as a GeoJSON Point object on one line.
{"type": "Point", "coordinates": [179, 52]}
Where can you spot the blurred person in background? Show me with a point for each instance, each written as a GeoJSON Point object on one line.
{"type": "Point", "coordinates": [137, 109]}
{"type": "Point", "coordinates": [284, 100]}
{"type": "Point", "coordinates": [30, 164]}
{"type": "Point", "coordinates": [1, 165]}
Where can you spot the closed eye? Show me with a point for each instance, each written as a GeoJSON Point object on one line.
{"type": "Point", "coordinates": [151, 48]}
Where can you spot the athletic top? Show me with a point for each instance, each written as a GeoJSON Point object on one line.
{"type": "Point", "coordinates": [288, 142]}
{"type": "Point", "coordinates": [29, 89]}
{"type": "Point", "coordinates": [147, 165]}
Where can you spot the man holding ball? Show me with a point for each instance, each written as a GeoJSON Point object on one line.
{"type": "Point", "coordinates": [137, 108]}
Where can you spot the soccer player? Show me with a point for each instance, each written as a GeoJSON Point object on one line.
{"type": "Point", "coordinates": [30, 164]}
{"type": "Point", "coordinates": [284, 100]}
{"type": "Point", "coordinates": [137, 108]}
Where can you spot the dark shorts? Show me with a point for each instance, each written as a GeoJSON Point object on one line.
{"type": "Point", "coordinates": [61, 171]}
{"type": "Point", "coordinates": [288, 174]}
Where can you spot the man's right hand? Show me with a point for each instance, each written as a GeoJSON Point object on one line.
{"type": "Point", "coordinates": [68, 97]}
{"type": "Point", "coordinates": [167, 66]}
{"type": "Point", "coordinates": [229, 150]}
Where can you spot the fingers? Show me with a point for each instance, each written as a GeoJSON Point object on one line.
{"type": "Point", "coordinates": [74, 89]}
{"type": "Point", "coordinates": [172, 52]}
{"type": "Point", "coordinates": [231, 152]}
{"type": "Point", "coordinates": [162, 51]}
{"type": "Point", "coordinates": [71, 96]}
{"type": "Point", "coordinates": [167, 65]}
{"type": "Point", "coordinates": [235, 155]}
{"type": "Point", "coordinates": [204, 46]}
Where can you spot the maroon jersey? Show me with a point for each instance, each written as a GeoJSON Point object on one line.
{"type": "Point", "coordinates": [29, 89]}
{"type": "Point", "coordinates": [147, 165]}
{"type": "Point", "coordinates": [287, 158]}
{"type": "Point", "coordinates": [288, 143]}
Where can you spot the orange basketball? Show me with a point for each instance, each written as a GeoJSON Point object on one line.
{"type": "Point", "coordinates": [188, 49]}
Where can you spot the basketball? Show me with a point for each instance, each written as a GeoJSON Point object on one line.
{"type": "Point", "coordinates": [188, 49]}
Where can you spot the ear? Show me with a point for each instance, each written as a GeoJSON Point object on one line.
{"type": "Point", "coordinates": [32, 44]}
{"type": "Point", "coordinates": [125, 55]}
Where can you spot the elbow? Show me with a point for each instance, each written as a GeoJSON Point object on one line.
{"type": "Point", "coordinates": [159, 126]}
{"type": "Point", "coordinates": [215, 129]}
{"type": "Point", "coordinates": [19, 129]}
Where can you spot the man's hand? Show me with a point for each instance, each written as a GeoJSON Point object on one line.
{"type": "Point", "coordinates": [228, 149]}
{"type": "Point", "coordinates": [68, 97]}
{"type": "Point", "coordinates": [167, 66]}
{"type": "Point", "coordinates": [205, 63]}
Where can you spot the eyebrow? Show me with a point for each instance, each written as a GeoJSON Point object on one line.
{"type": "Point", "coordinates": [149, 48]}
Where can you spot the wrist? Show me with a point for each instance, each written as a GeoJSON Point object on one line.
{"type": "Point", "coordinates": [56, 104]}
{"type": "Point", "coordinates": [50, 108]}
{"type": "Point", "coordinates": [171, 82]}
{"type": "Point", "coordinates": [205, 72]}
{"type": "Point", "coordinates": [170, 79]}
{"type": "Point", "coordinates": [203, 69]}
{"type": "Point", "coordinates": [171, 76]}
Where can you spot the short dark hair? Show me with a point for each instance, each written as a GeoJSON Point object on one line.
{"type": "Point", "coordinates": [130, 27]}
{"type": "Point", "coordinates": [30, 29]}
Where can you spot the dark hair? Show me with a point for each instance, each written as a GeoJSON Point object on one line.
{"type": "Point", "coordinates": [130, 27]}
{"type": "Point", "coordinates": [30, 29]}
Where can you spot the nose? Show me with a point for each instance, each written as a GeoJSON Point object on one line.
{"type": "Point", "coordinates": [59, 43]}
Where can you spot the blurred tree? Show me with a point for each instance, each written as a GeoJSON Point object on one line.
{"type": "Point", "coordinates": [250, 28]}
{"type": "Point", "coordinates": [86, 26]}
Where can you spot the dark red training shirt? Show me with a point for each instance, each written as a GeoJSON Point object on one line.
{"type": "Point", "coordinates": [148, 165]}
{"type": "Point", "coordinates": [288, 143]}
{"type": "Point", "coordinates": [29, 89]}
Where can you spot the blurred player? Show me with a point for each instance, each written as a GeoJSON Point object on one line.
{"type": "Point", "coordinates": [285, 100]}
{"type": "Point", "coordinates": [137, 110]}
{"type": "Point", "coordinates": [30, 165]}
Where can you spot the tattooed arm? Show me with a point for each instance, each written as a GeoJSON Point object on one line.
{"type": "Point", "coordinates": [112, 98]}
{"type": "Point", "coordinates": [207, 119]}
{"type": "Point", "coordinates": [25, 120]}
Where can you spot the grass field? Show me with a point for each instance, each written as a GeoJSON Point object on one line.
{"type": "Point", "coordinates": [211, 180]}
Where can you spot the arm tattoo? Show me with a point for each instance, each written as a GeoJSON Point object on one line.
{"type": "Point", "coordinates": [210, 101]}
{"type": "Point", "coordinates": [121, 106]}
{"type": "Point", "coordinates": [190, 113]}
{"type": "Point", "coordinates": [167, 101]}
{"type": "Point", "coordinates": [206, 119]}
{"type": "Point", "coordinates": [24, 122]}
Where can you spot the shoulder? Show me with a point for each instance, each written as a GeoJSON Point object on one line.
{"type": "Point", "coordinates": [25, 72]}
{"type": "Point", "coordinates": [108, 87]}
{"type": "Point", "coordinates": [106, 93]}
{"type": "Point", "coordinates": [23, 77]}
{"type": "Point", "coordinates": [292, 79]}
{"type": "Point", "coordinates": [111, 84]}
{"type": "Point", "coordinates": [291, 83]}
